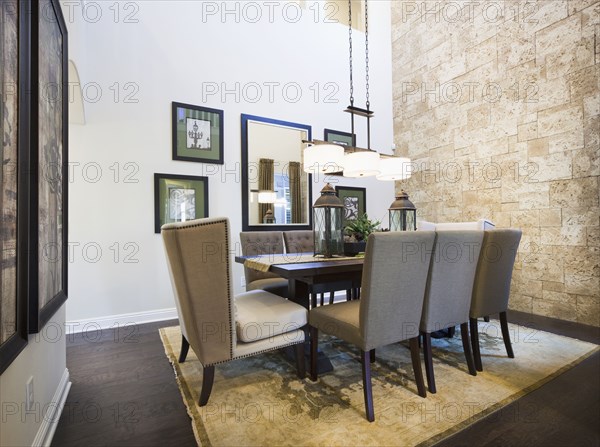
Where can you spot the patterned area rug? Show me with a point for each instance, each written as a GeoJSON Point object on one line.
{"type": "Point", "coordinates": [260, 401]}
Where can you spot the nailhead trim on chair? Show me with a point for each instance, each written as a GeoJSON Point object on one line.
{"type": "Point", "coordinates": [198, 224]}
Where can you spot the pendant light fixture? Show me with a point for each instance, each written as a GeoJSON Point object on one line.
{"type": "Point", "coordinates": [349, 161]}
{"type": "Point", "coordinates": [360, 163]}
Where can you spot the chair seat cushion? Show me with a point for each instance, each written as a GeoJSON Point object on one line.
{"type": "Point", "coordinates": [278, 286]}
{"type": "Point", "coordinates": [340, 320]}
{"type": "Point", "coordinates": [261, 315]}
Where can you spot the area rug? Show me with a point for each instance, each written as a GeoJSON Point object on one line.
{"type": "Point", "coordinates": [260, 401]}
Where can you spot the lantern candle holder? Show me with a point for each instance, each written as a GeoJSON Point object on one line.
{"type": "Point", "coordinates": [328, 212]}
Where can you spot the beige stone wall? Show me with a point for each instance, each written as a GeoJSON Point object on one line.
{"type": "Point", "coordinates": [498, 105]}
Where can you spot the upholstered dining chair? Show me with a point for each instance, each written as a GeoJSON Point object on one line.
{"type": "Point", "coordinates": [491, 289]}
{"type": "Point", "coordinates": [263, 243]}
{"type": "Point", "coordinates": [218, 326]}
{"type": "Point", "coordinates": [389, 310]}
{"type": "Point", "coordinates": [302, 241]}
{"type": "Point", "coordinates": [449, 289]}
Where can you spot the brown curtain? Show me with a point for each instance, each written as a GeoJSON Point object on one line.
{"type": "Point", "coordinates": [266, 182]}
{"type": "Point", "coordinates": [295, 191]}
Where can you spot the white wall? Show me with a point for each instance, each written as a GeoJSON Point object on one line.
{"type": "Point", "coordinates": [44, 359]}
{"type": "Point", "coordinates": [177, 52]}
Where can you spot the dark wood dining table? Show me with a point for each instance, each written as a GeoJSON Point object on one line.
{"type": "Point", "coordinates": [305, 278]}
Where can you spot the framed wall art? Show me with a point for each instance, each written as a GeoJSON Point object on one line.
{"type": "Point", "coordinates": [197, 133]}
{"type": "Point", "coordinates": [179, 198]}
{"type": "Point", "coordinates": [339, 137]}
{"type": "Point", "coordinates": [355, 202]}
{"type": "Point", "coordinates": [14, 128]}
{"type": "Point", "coordinates": [49, 164]}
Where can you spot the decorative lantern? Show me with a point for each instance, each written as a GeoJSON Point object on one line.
{"type": "Point", "coordinates": [403, 214]}
{"type": "Point", "coordinates": [327, 213]}
{"type": "Point", "coordinates": [269, 218]}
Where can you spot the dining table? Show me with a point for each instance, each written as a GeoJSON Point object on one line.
{"type": "Point", "coordinates": [306, 275]}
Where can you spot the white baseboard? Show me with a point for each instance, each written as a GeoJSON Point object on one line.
{"type": "Point", "coordinates": [43, 437]}
{"type": "Point", "coordinates": [90, 324]}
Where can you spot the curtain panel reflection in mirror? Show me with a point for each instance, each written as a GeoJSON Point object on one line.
{"type": "Point", "coordinates": [266, 182]}
{"type": "Point", "coordinates": [295, 191]}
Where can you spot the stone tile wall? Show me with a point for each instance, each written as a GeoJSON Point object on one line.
{"type": "Point", "coordinates": [498, 105]}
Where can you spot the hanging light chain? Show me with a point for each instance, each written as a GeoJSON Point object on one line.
{"type": "Point", "coordinates": [350, 40]}
{"type": "Point", "coordinates": [367, 50]}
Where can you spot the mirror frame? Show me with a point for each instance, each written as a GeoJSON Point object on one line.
{"type": "Point", "coordinates": [245, 187]}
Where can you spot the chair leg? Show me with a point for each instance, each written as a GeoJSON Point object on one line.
{"type": "Point", "coordinates": [331, 297]}
{"type": "Point", "coordinates": [367, 387]}
{"type": "Point", "coordinates": [372, 355]}
{"type": "Point", "coordinates": [314, 345]}
{"type": "Point", "coordinates": [300, 362]}
{"type": "Point", "coordinates": [208, 378]}
{"type": "Point", "coordinates": [416, 364]}
{"type": "Point", "coordinates": [451, 331]}
{"type": "Point", "coordinates": [185, 347]}
{"type": "Point", "coordinates": [486, 318]}
{"type": "Point", "coordinates": [313, 300]}
{"type": "Point", "coordinates": [348, 294]}
{"type": "Point", "coordinates": [322, 298]}
{"type": "Point", "coordinates": [506, 335]}
{"type": "Point", "coordinates": [475, 343]}
{"type": "Point", "coordinates": [428, 358]}
{"type": "Point", "coordinates": [464, 334]}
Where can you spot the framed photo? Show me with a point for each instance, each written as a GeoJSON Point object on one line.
{"type": "Point", "coordinates": [197, 133]}
{"type": "Point", "coordinates": [49, 164]}
{"type": "Point", "coordinates": [355, 202]}
{"type": "Point", "coordinates": [14, 127]}
{"type": "Point", "coordinates": [338, 137]}
{"type": "Point", "coordinates": [179, 198]}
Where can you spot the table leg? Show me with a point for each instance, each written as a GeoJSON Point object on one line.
{"type": "Point", "coordinates": [299, 292]}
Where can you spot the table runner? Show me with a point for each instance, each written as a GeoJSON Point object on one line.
{"type": "Point", "coordinates": [264, 262]}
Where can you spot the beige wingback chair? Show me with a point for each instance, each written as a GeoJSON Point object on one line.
{"type": "Point", "coordinates": [263, 243]}
{"type": "Point", "coordinates": [218, 326]}
{"type": "Point", "coordinates": [389, 310]}
{"type": "Point", "coordinates": [492, 284]}
{"type": "Point", "coordinates": [449, 290]}
{"type": "Point", "coordinates": [481, 224]}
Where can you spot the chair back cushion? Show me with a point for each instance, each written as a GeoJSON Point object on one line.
{"type": "Point", "coordinates": [393, 286]}
{"type": "Point", "coordinates": [450, 282]}
{"type": "Point", "coordinates": [260, 243]}
{"type": "Point", "coordinates": [198, 259]}
{"type": "Point", "coordinates": [299, 241]}
{"type": "Point", "coordinates": [481, 224]}
{"type": "Point", "coordinates": [494, 272]}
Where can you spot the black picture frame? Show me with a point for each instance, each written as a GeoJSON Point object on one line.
{"type": "Point", "coordinates": [339, 137]}
{"type": "Point", "coordinates": [48, 235]}
{"type": "Point", "coordinates": [16, 342]}
{"type": "Point", "coordinates": [202, 119]}
{"type": "Point", "coordinates": [171, 188]}
{"type": "Point", "coordinates": [245, 119]}
{"type": "Point", "coordinates": [358, 197]}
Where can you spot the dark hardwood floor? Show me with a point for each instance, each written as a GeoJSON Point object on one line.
{"type": "Point", "coordinates": [124, 394]}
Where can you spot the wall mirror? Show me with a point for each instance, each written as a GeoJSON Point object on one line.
{"type": "Point", "coordinates": [276, 192]}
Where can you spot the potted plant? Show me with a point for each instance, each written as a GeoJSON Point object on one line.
{"type": "Point", "coordinates": [356, 233]}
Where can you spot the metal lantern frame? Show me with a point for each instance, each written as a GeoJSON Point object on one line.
{"type": "Point", "coordinates": [402, 214]}
{"type": "Point", "coordinates": [328, 212]}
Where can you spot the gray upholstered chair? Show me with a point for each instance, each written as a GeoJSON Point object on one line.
{"type": "Point", "coordinates": [449, 289]}
{"type": "Point", "coordinates": [262, 243]}
{"type": "Point", "coordinates": [218, 326]}
{"type": "Point", "coordinates": [393, 286]}
{"type": "Point", "coordinates": [299, 241]}
{"type": "Point", "coordinates": [303, 241]}
{"type": "Point", "coordinates": [492, 284]}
